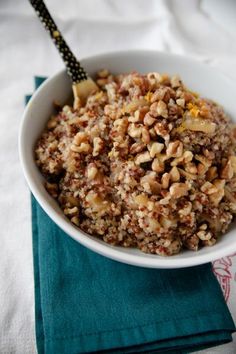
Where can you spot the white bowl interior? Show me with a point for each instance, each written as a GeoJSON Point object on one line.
{"type": "Point", "coordinates": [198, 77]}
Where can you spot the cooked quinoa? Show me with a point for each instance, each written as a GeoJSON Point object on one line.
{"type": "Point", "coordinates": [146, 163]}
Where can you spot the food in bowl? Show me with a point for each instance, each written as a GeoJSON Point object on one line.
{"type": "Point", "coordinates": [146, 163]}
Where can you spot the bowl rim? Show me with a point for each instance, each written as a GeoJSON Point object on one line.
{"type": "Point", "coordinates": [112, 252]}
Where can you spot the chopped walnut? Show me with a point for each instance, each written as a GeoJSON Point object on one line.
{"type": "Point", "coordinates": [209, 242]}
{"type": "Point", "coordinates": [92, 171]}
{"type": "Point", "coordinates": [137, 147]}
{"type": "Point", "coordinates": [152, 133]}
{"type": "Point", "coordinates": [150, 184]}
{"type": "Point", "coordinates": [149, 120]}
{"type": "Point", "coordinates": [80, 137]}
{"type": "Point", "coordinates": [191, 168]}
{"type": "Point", "coordinates": [181, 102]}
{"type": "Point", "coordinates": [154, 78]}
{"type": "Point", "coordinates": [185, 158]}
{"type": "Point", "coordinates": [134, 105]}
{"type": "Point", "coordinates": [134, 130]}
{"type": "Point", "coordinates": [178, 190]}
{"type": "Point", "coordinates": [157, 165]}
{"type": "Point", "coordinates": [202, 169]}
{"type": "Point", "coordinates": [162, 130]}
{"type": "Point", "coordinates": [187, 175]}
{"type": "Point", "coordinates": [228, 171]}
{"type": "Point", "coordinates": [52, 189]}
{"type": "Point", "coordinates": [203, 235]}
{"type": "Point", "coordinates": [145, 135]}
{"type": "Point", "coordinates": [174, 174]}
{"type": "Point", "coordinates": [75, 220]}
{"type": "Point", "coordinates": [192, 242]}
{"type": "Point", "coordinates": [143, 157]}
{"type": "Point", "coordinates": [159, 109]}
{"type": "Point", "coordinates": [175, 81]}
{"type": "Point", "coordinates": [208, 188]}
{"type": "Point", "coordinates": [97, 146]}
{"type": "Point", "coordinates": [205, 161]}
{"type": "Point", "coordinates": [71, 211]}
{"type": "Point", "coordinates": [217, 196]}
{"type": "Point", "coordinates": [138, 115]}
{"type": "Point", "coordinates": [84, 148]}
{"type": "Point", "coordinates": [175, 149]}
{"type": "Point", "coordinates": [121, 125]}
{"type": "Point", "coordinates": [97, 203]}
{"type": "Point", "coordinates": [155, 148]}
{"type": "Point", "coordinates": [165, 180]}
{"type": "Point", "coordinates": [52, 123]}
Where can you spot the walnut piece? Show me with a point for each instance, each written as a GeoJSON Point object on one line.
{"type": "Point", "coordinates": [143, 157]}
{"type": "Point", "coordinates": [155, 148]}
{"type": "Point", "coordinates": [175, 149]}
{"type": "Point", "coordinates": [97, 146]}
{"type": "Point", "coordinates": [178, 190]}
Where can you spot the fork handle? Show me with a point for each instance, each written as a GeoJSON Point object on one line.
{"type": "Point", "coordinates": [73, 67]}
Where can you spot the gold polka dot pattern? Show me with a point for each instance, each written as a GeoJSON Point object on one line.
{"type": "Point", "coordinates": [74, 69]}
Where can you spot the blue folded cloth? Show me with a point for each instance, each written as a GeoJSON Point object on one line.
{"type": "Point", "coordinates": [86, 303]}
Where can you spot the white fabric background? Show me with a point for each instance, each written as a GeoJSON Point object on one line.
{"type": "Point", "coordinates": [180, 26]}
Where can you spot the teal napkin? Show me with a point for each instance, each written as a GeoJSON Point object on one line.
{"type": "Point", "coordinates": [86, 303]}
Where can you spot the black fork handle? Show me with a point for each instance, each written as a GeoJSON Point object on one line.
{"type": "Point", "coordinates": [73, 67]}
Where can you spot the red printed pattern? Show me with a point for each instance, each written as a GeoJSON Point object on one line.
{"type": "Point", "coordinates": [223, 272]}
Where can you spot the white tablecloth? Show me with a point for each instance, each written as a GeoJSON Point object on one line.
{"type": "Point", "coordinates": [181, 26]}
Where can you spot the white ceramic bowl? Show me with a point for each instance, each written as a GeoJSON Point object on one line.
{"type": "Point", "coordinates": [197, 76]}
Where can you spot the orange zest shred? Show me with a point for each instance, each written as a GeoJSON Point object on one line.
{"type": "Point", "coordinates": [148, 96]}
{"type": "Point", "coordinates": [193, 109]}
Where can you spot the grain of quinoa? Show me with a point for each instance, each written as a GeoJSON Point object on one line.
{"type": "Point", "coordinates": [145, 163]}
